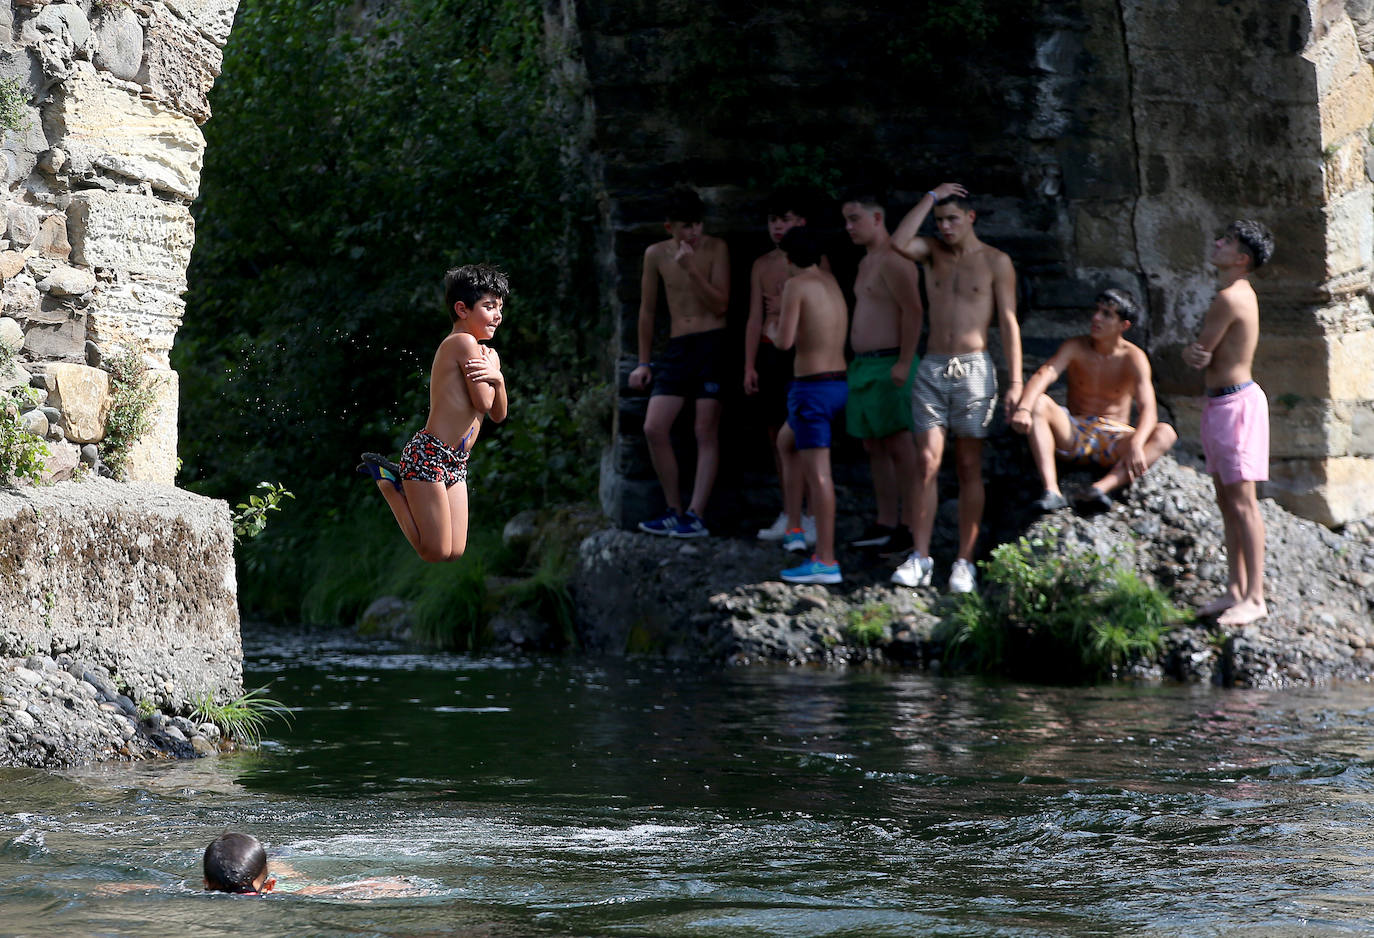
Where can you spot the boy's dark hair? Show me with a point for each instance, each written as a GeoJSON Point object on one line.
{"type": "Point", "coordinates": [470, 283]}
{"type": "Point", "coordinates": [865, 197]}
{"type": "Point", "coordinates": [1254, 239]}
{"type": "Point", "coordinates": [683, 205]}
{"type": "Point", "coordinates": [1123, 302]}
{"type": "Point", "coordinates": [786, 199]}
{"type": "Point", "coordinates": [801, 246]}
{"type": "Point", "coordinates": [233, 861]}
{"type": "Point", "coordinates": [962, 202]}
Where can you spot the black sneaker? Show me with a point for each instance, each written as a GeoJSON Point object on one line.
{"type": "Point", "coordinates": [1093, 502]}
{"type": "Point", "coordinates": [875, 535]}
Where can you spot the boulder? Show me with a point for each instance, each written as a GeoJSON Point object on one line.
{"type": "Point", "coordinates": [11, 263]}
{"type": "Point", "coordinates": [11, 334]}
{"type": "Point", "coordinates": [119, 43]}
{"type": "Point", "coordinates": [22, 227]}
{"type": "Point", "coordinates": [67, 281]}
{"type": "Point", "coordinates": [83, 395]}
{"type": "Point", "coordinates": [60, 466]}
{"type": "Point", "coordinates": [52, 238]}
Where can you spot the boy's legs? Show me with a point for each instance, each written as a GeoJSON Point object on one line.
{"type": "Point", "coordinates": [884, 480]}
{"type": "Point", "coordinates": [1243, 601]}
{"type": "Point", "coordinates": [1050, 430]}
{"type": "Point", "coordinates": [433, 519]}
{"type": "Point", "coordinates": [1161, 440]}
{"type": "Point", "coordinates": [658, 433]}
{"type": "Point", "coordinates": [793, 477]}
{"type": "Point", "coordinates": [968, 458]}
{"type": "Point", "coordinates": [707, 428]}
{"type": "Point", "coordinates": [921, 492]}
{"type": "Point", "coordinates": [815, 464]}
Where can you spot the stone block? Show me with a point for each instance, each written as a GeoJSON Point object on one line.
{"type": "Point", "coordinates": [1307, 428]}
{"type": "Point", "coordinates": [180, 66]}
{"type": "Point", "coordinates": [1350, 232]}
{"type": "Point", "coordinates": [212, 18]}
{"type": "Point", "coordinates": [11, 334]}
{"type": "Point", "coordinates": [52, 239]}
{"type": "Point", "coordinates": [1291, 365]}
{"type": "Point", "coordinates": [1345, 168]}
{"type": "Point", "coordinates": [1330, 491]}
{"type": "Point", "coordinates": [1349, 372]}
{"type": "Point", "coordinates": [11, 262]}
{"type": "Point", "coordinates": [83, 395]}
{"type": "Point", "coordinates": [16, 377]}
{"type": "Point", "coordinates": [1362, 428]}
{"type": "Point", "coordinates": [153, 457]}
{"type": "Point", "coordinates": [56, 341]}
{"type": "Point", "coordinates": [67, 281]}
{"type": "Point", "coordinates": [141, 312]}
{"type": "Point", "coordinates": [60, 466]}
{"type": "Point", "coordinates": [1335, 54]}
{"type": "Point", "coordinates": [1348, 108]}
{"type": "Point", "coordinates": [136, 234]}
{"type": "Point", "coordinates": [106, 127]}
{"type": "Point", "coordinates": [22, 225]}
{"type": "Point", "coordinates": [118, 43]}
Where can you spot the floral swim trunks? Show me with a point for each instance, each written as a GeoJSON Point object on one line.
{"type": "Point", "coordinates": [427, 458]}
{"type": "Point", "coordinates": [1094, 439]}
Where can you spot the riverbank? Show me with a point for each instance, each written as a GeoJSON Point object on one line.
{"type": "Point", "coordinates": [720, 598]}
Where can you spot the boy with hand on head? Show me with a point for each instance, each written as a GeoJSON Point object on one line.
{"type": "Point", "coordinates": [767, 368]}
{"type": "Point", "coordinates": [694, 269]}
{"type": "Point", "coordinates": [884, 333]}
{"type": "Point", "coordinates": [814, 319]}
{"type": "Point", "coordinates": [955, 392]}
{"type": "Point", "coordinates": [427, 492]}
{"type": "Point", "coordinates": [1235, 420]}
{"type": "Point", "coordinates": [1105, 373]}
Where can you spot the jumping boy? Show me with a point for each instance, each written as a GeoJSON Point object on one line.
{"type": "Point", "coordinates": [428, 491]}
{"type": "Point", "coordinates": [884, 333]}
{"type": "Point", "coordinates": [695, 271]}
{"type": "Point", "coordinates": [814, 319]}
{"type": "Point", "coordinates": [955, 393]}
{"type": "Point", "coordinates": [767, 368]}
{"type": "Point", "coordinates": [1105, 374]}
{"type": "Point", "coordinates": [1235, 420]}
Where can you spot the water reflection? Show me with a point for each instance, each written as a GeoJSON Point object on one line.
{"type": "Point", "coordinates": [551, 798]}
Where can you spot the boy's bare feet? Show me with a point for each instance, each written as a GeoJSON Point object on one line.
{"type": "Point", "coordinates": [1217, 606]}
{"type": "Point", "coordinates": [1243, 613]}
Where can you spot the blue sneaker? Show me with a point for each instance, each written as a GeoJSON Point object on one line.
{"type": "Point", "coordinates": [813, 571]}
{"type": "Point", "coordinates": [689, 524]}
{"type": "Point", "coordinates": [663, 525]}
{"type": "Point", "coordinates": [795, 541]}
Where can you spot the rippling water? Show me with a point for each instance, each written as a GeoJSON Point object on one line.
{"type": "Point", "coordinates": [593, 798]}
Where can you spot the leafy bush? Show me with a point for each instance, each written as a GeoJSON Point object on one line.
{"type": "Point", "coordinates": [1050, 612]}
{"type": "Point", "coordinates": [250, 517]}
{"type": "Point", "coordinates": [132, 396]}
{"type": "Point", "coordinates": [22, 454]}
{"type": "Point", "coordinates": [867, 625]}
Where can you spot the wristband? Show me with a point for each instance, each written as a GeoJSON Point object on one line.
{"type": "Point", "coordinates": [933, 196]}
{"type": "Point", "coordinates": [645, 365]}
{"type": "Point", "coordinates": [1019, 409]}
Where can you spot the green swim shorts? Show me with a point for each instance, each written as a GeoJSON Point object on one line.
{"type": "Point", "coordinates": [876, 407]}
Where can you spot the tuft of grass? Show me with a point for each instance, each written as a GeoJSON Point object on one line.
{"type": "Point", "coordinates": [1055, 613]}
{"type": "Point", "coordinates": [867, 625]}
{"type": "Point", "coordinates": [243, 718]}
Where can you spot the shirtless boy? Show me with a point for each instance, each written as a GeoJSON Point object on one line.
{"type": "Point", "coordinates": [1105, 373]}
{"type": "Point", "coordinates": [767, 368]}
{"type": "Point", "coordinates": [695, 271]}
{"type": "Point", "coordinates": [955, 392]}
{"type": "Point", "coordinates": [1235, 420]}
{"type": "Point", "coordinates": [428, 491]}
{"type": "Point", "coordinates": [886, 328]}
{"type": "Point", "coordinates": [813, 318]}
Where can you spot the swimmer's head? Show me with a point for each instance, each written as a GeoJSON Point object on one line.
{"type": "Point", "coordinates": [472, 282]}
{"type": "Point", "coordinates": [1253, 239]}
{"type": "Point", "coordinates": [237, 863]}
{"type": "Point", "coordinates": [802, 247]}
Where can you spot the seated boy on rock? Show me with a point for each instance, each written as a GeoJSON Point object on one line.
{"type": "Point", "coordinates": [1105, 373]}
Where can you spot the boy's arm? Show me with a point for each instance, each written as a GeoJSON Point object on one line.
{"type": "Point", "coordinates": [1220, 315]}
{"type": "Point", "coordinates": [901, 279]}
{"type": "Point", "coordinates": [714, 285]}
{"type": "Point", "coordinates": [786, 335]}
{"type": "Point", "coordinates": [1046, 375]}
{"type": "Point", "coordinates": [753, 329]}
{"type": "Point", "coordinates": [1147, 416]}
{"type": "Point", "coordinates": [1004, 294]}
{"type": "Point", "coordinates": [648, 309]}
{"type": "Point", "coordinates": [904, 238]}
{"type": "Point", "coordinates": [481, 372]}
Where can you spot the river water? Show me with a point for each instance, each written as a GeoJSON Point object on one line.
{"type": "Point", "coordinates": [575, 797]}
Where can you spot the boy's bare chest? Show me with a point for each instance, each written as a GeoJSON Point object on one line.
{"type": "Point", "coordinates": [965, 278]}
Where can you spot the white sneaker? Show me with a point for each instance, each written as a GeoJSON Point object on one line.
{"type": "Point", "coordinates": [914, 571]}
{"type": "Point", "coordinates": [809, 530]}
{"type": "Point", "coordinates": [962, 578]}
{"type": "Point", "coordinates": [777, 529]}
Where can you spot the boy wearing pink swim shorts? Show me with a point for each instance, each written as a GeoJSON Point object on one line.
{"type": "Point", "coordinates": [1235, 421]}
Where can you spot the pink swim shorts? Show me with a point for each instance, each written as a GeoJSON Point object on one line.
{"type": "Point", "coordinates": [1235, 435]}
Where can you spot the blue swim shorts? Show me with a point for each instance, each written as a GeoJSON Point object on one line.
{"type": "Point", "coordinates": [813, 401]}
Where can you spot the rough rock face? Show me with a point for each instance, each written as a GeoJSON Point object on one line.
{"type": "Point", "coordinates": [720, 597]}
{"type": "Point", "coordinates": [98, 183]}
{"type": "Point", "coordinates": [134, 577]}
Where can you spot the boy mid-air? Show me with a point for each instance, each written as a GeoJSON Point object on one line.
{"type": "Point", "coordinates": [428, 491]}
{"type": "Point", "coordinates": [1235, 420]}
{"type": "Point", "coordinates": [814, 318]}
{"type": "Point", "coordinates": [694, 269]}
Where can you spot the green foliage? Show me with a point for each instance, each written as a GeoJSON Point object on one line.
{"type": "Point", "coordinates": [867, 625]}
{"type": "Point", "coordinates": [243, 718]}
{"type": "Point", "coordinates": [250, 518]}
{"type": "Point", "coordinates": [22, 454]}
{"type": "Point", "coordinates": [132, 395]}
{"type": "Point", "coordinates": [14, 105]}
{"type": "Point", "coordinates": [1059, 614]}
{"type": "Point", "coordinates": [545, 592]}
